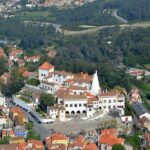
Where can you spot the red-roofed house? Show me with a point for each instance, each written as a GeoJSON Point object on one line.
{"type": "Point", "coordinates": [32, 58]}
{"type": "Point", "coordinates": [13, 55]}
{"type": "Point", "coordinates": [56, 140]}
{"type": "Point", "coordinates": [44, 70]}
{"type": "Point", "coordinates": [90, 146]}
{"type": "Point", "coordinates": [78, 143]}
{"type": "Point", "coordinates": [6, 132]}
{"type": "Point", "coordinates": [38, 145]}
{"type": "Point", "coordinates": [108, 138]}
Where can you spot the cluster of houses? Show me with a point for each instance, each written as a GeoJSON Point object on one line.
{"type": "Point", "coordinates": [77, 93]}
{"type": "Point", "coordinates": [106, 139]}
{"type": "Point", "coordinates": [7, 8]}
{"type": "Point", "coordinates": [17, 56]}
{"type": "Point", "coordinates": [138, 73]}
{"type": "Point", "coordinates": [58, 141]}
{"type": "Point", "coordinates": [57, 3]}
{"type": "Point", "coordinates": [12, 127]}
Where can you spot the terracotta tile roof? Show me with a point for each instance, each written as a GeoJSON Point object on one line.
{"type": "Point", "coordinates": [74, 97]}
{"type": "Point", "coordinates": [59, 136]}
{"type": "Point", "coordinates": [109, 137]}
{"type": "Point", "coordinates": [63, 73]}
{"type": "Point", "coordinates": [46, 66]}
{"type": "Point", "coordinates": [32, 58]}
{"type": "Point", "coordinates": [109, 93]}
{"type": "Point", "coordinates": [55, 136]}
{"type": "Point", "coordinates": [79, 141]}
{"type": "Point", "coordinates": [94, 98]}
{"type": "Point", "coordinates": [28, 74]}
{"type": "Point", "coordinates": [69, 81]}
{"type": "Point", "coordinates": [23, 146]}
{"type": "Point", "coordinates": [16, 110]}
{"type": "Point", "coordinates": [62, 92]}
{"type": "Point", "coordinates": [58, 107]}
{"type": "Point", "coordinates": [74, 87]}
{"type": "Point", "coordinates": [16, 52]}
{"type": "Point", "coordinates": [36, 143]}
{"type": "Point", "coordinates": [90, 146]}
{"type": "Point", "coordinates": [82, 79]}
{"type": "Point", "coordinates": [56, 147]}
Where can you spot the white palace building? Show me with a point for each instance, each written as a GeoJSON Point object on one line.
{"type": "Point", "coordinates": [77, 93]}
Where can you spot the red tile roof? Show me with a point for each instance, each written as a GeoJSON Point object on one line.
{"type": "Point", "coordinates": [79, 141]}
{"type": "Point", "coordinates": [59, 136]}
{"type": "Point", "coordinates": [28, 74]}
{"type": "Point", "coordinates": [46, 66]}
{"type": "Point", "coordinates": [90, 146]}
{"type": "Point", "coordinates": [36, 143]}
{"type": "Point", "coordinates": [109, 136]}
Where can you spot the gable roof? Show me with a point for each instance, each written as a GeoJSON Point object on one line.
{"type": "Point", "coordinates": [46, 66]}
{"type": "Point", "coordinates": [109, 137]}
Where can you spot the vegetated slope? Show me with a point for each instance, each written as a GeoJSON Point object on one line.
{"type": "Point", "coordinates": [94, 14]}
{"type": "Point", "coordinates": [131, 47]}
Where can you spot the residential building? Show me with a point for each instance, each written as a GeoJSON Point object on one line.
{"type": "Point", "coordinates": [16, 140]}
{"type": "Point", "coordinates": [32, 59]}
{"type": "Point", "coordinates": [8, 132]}
{"type": "Point", "coordinates": [57, 140]}
{"type": "Point", "coordinates": [108, 138]}
{"type": "Point", "coordinates": [112, 100]}
{"type": "Point", "coordinates": [35, 144]}
{"type": "Point", "coordinates": [14, 54]}
{"type": "Point", "coordinates": [44, 70]}
{"type": "Point", "coordinates": [57, 112]}
{"type": "Point", "coordinates": [17, 115]}
{"type": "Point", "coordinates": [90, 146]}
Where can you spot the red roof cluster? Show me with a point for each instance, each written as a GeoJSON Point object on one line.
{"type": "Point", "coordinates": [109, 137]}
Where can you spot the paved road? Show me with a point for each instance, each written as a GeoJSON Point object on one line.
{"type": "Point", "coordinates": [122, 20]}
{"type": "Point", "coordinates": [98, 28]}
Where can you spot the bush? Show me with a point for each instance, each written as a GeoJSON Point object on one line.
{"type": "Point", "coordinates": [34, 82]}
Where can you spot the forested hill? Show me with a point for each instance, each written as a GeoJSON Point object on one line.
{"type": "Point", "coordinates": [100, 12]}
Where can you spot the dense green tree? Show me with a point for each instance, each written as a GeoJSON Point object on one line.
{"type": "Point", "coordinates": [118, 147]}
{"type": "Point", "coordinates": [15, 83]}
{"type": "Point", "coordinates": [46, 100]}
{"type": "Point", "coordinates": [3, 67]}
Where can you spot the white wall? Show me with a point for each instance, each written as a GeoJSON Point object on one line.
{"type": "Point", "coordinates": [73, 108]}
